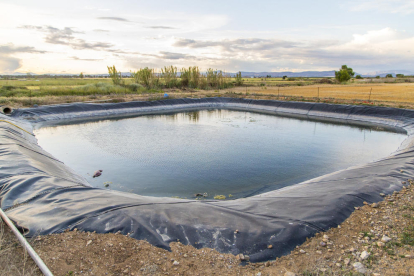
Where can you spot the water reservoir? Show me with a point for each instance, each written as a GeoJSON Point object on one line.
{"type": "Point", "coordinates": [217, 152]}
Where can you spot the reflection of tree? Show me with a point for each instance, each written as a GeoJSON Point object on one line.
{"type": "Point", "coordinates": [169, 117]}
{"type": "Point", "coordinates": [194, 116]}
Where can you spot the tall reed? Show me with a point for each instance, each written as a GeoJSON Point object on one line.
{"type": "Point", "coordinates": [146, 77]}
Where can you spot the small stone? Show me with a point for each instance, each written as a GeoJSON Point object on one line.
{"type": "Point", "coordinates": [241, 257]}
{"type": "Point", "coordinates": [302, 251]}
{"type": "Point", "coordinates": [318, 252]}
{"type": "Point", "coordinates": [246, 258]}
{"type": "Point", "coordinates": [338, 265]}
{"type": "Point", "coordinates": [185, 256]}
{"type": "Point", "coordinates": [365, 203]}
{"type": "Point", "coordinates": [347, 261]}
{"type": "Point", "coordinates": [326, 237]}
{"type": "Point", "coordinates": [376, 274]}
{"type": "Point", "coordinates": [323, 244]}
{"type": "Point", "coordinates": [259, 274]}
{"type": "Point", "coordinates": [270, 246]}
{"type": "Point", "coordinates": [267, 264]}
{"type": "Point", "coordinates": [374, 205]}
{"type": "Point", "coordinates": [408, 256]}
{"type": "Point", "coordinates": [385, 239]}
{"type": "Point", "coordinates": [176, 263]}
{"type": "Point", "coordinates": [364, 255]}
{"type": "Point", "coordinates": [237, 231]}
{"type": "Point", "coordinates": [89, 242]}
{"type": "Point", "coordinates": [359, 267]}
{"type": "Point", "coordinates": [288, 273]}
{"type": "Point", "coordinates": [352, 249]}
{"type": "Point", "coordinates": [380, 244]}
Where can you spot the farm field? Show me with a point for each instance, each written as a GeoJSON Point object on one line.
{"type": "Point", "coordinates": [18, 93]}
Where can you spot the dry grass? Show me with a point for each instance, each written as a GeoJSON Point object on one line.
{"type": "Point", "coordinates": [399, 92]}
{"type": "Point", "coordinates": [13, 259]}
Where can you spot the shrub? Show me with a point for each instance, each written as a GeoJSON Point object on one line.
{"type": "Point", "coordinates": [358, 77]}
{"type": "Point", "coordinates": [146, 77]}
{"type": "Point", "coordinates": [134, 87]}
{"type": "Point", "coordinates": [325, 80]}
{"type": "Point", "coordinates": [239, 79]}
{"type": "Point", "coordinates": [389, 76]}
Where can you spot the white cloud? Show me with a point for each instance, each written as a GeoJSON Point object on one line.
{"type": "Point", "coordinates": [388, 6]}
{"type": "Point", "coordinates": [9, 64]}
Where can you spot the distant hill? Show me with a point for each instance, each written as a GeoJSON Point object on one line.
{"type": "Point", "coordinates": [307, 74]}
{"type": "Point", "coordinates": [384, 73]}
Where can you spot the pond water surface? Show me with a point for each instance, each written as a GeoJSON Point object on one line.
{"type": "Point", "coordinates": [218, 152]}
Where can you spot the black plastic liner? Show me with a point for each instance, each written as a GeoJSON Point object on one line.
{"type": "Point", "coordinates": [42, 195]}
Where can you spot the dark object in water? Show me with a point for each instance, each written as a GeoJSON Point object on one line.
{"type": "Point", "coordinates": [198, 194]}
{"type": "Point", "coordinates": [97, 173]}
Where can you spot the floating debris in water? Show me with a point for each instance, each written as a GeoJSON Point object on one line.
{"type": "Point", "coordinates": [106, 184]}
{"type": "Point", "coordinates": [97, 173]}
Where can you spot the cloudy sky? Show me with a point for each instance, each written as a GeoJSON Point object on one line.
{"type": "Point", "coordinates": [296, 35]}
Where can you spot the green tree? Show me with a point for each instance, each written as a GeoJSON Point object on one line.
{"type": "Point", "coordinates": [81, 75]}
{"type": "Point", "coordinates": [344, 74]}
{"type": "Point", "coordinates": [358, 77]}
{"type": "Point", "coordinates": [400, 75]}
{"type": "Point", "coordinates": [388, 76]}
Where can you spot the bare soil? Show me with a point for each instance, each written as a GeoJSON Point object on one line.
{"type": "Point", "coordinates": [380, 237]}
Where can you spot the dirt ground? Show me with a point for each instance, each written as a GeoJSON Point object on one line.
{"type": "Point", "coordinates": [377, 239]}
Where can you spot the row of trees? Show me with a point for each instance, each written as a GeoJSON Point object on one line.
{"type": "Point", "coordinates": [170, 77]}
{"type": "Point", "coordinates": [346, 73]}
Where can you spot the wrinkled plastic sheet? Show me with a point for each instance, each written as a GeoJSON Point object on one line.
{"type": "Point", "coordinates": [42, 195]}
